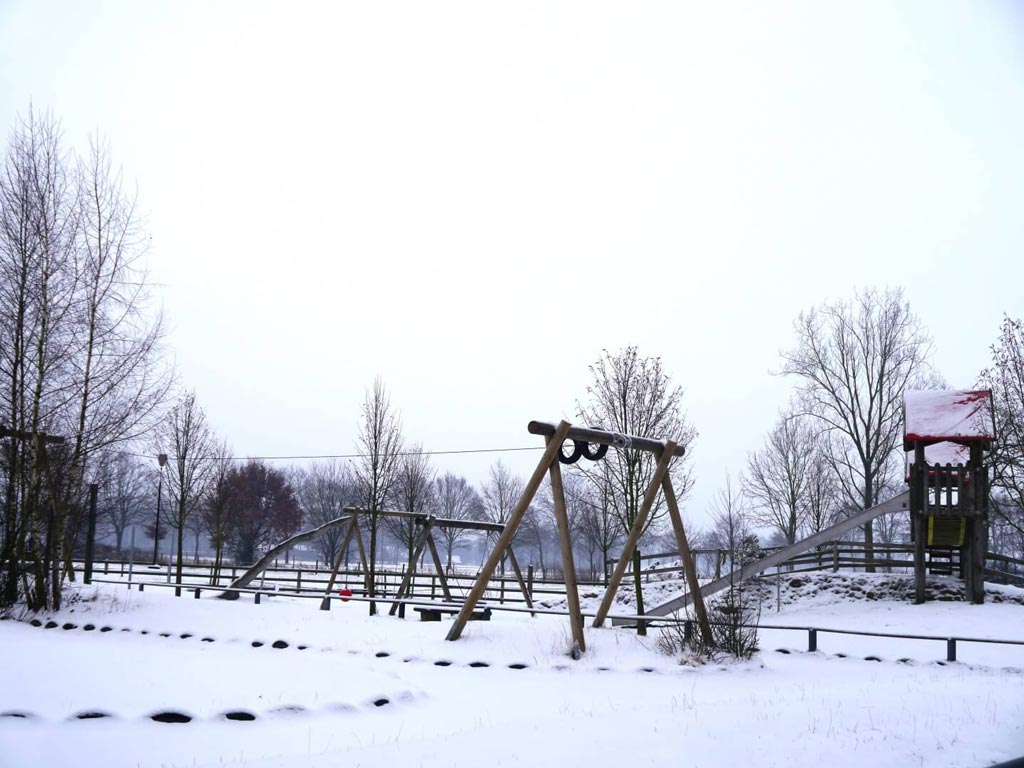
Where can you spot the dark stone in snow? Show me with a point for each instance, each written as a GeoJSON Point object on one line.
{"type": "Point", "coordinates": [171, 717]}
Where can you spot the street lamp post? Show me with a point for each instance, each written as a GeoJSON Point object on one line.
{"type": "Point", "coordinates": [162, 461]}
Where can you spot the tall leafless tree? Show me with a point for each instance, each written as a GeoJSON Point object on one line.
{"type": "Point", "coordinates": [779, 473]}
{"type": "Point", "coordinates": [79, 345]}
{"type": "Point", "coordinates": [634, 395]}
{"type": "Point", "coordinates": [501, 492]}
{"type": "Point", "coordinates": [854, 360]}
{"type": "Point", "coordinates": [380, 445]}
{"type": "Point", "coordinates": [324, 490]}
{"type": "Point", "coordinates": [1005, 377]}
{"type": "Point", "coordinates": [125, 490]}
{"type": "Point", "coordinates": [185, 436]}
{"type": "Point", "coordinates": [217, 508]}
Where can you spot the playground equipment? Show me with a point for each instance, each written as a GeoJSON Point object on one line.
{"type": "Point", "coordinates": [582, 438]}
{"type": "Point", "coordinates": [947, 501]}
{"type": "Point", "coordinates": [946, 436]}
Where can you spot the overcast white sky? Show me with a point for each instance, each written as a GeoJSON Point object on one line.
{"type": "Point", "coordinates": [473, 199]}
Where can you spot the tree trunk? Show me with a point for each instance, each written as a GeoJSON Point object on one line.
{"type": "Point", "coordinates": [869, 532]}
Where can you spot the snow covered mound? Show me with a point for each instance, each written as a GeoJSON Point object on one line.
{"type": "Point", "coordinates": [810, 589]}
{"type": "Point", "coordinates": [803, 590]}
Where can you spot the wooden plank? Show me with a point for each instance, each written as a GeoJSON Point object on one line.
{"type": "Point", "coordinates": [603, 437]}
{"type": "Point", "coordinates": [634, 536]}
{"type": "Point", "coordinates": [572, 593]}
{"type": "Point", "coordinates": [689, 567]}
{"type": "Point", "coordinates": [511, 525]}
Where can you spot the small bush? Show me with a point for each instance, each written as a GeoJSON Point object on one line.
{"type": "Point", "coordinates": [733, 618]}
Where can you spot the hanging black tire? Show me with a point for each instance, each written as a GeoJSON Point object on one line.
{"type": "Point", "coordinates": [572, 458]}
{"type": "Point", "coordinates": [596, 455]}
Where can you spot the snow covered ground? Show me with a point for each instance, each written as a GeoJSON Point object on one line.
{"type": "Point", "coordinates": [339, 688]}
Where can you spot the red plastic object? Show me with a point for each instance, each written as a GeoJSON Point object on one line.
{"type": "Point", "coordinates": [345, 594]}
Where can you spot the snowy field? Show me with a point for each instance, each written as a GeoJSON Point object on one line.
{"type": "Point", "coordinates": [285, 684]}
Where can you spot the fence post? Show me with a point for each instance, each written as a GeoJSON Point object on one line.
{"type": "Point", "coordinates": [812, 640]}
{"type": "Point", "coordinates": [198, 590]}
{"type": "Point", "coordinates": [256, 598]}
{"type": "Point", "coordinates": [298, 581]}
{"type": "Point", "coordinates": [433, 585]}
{"type": "Point", "coordinates": [501, 594]}
{"type": "Point", "coordinates": [688, 631]}
{"type": "Point", "coordinates": [529, 580]}
{"type": "Point", "coordinates": [951, 649]}
{"type": "Point", "coordinates": [835, 557]}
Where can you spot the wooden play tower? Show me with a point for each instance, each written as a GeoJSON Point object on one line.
{"type": "Point", "coordinates": [946, 436]}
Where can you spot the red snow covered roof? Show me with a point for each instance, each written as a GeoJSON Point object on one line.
{"type": "Point", "coordinates": [955, 415]}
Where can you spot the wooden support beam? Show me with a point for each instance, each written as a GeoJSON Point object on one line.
{"type": "Point", "coordinates": [519, 577]}
{"type": "Point", "coordinates": [918, 508]}
{"type": "Point", "coordinates": [439, 568]}
{"type": "Point", "coordinates": [572, 593]}
{"type": "Point", "coordinates": [510, 530]}
{"type": "Point", "coordinates": [603, 437]}
{"type": "Point", "coordinates": [325, 603]}
{"type": "Point", "coordinates": [689, 568]}
{"type": "Point", "coordinates": [634, 533]}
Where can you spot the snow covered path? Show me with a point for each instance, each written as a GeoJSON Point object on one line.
{"type": "Point", "coordinates": [338, 702]}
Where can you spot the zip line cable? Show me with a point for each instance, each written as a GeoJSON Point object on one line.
{"type": "Point", "coordinates": [347, 455]}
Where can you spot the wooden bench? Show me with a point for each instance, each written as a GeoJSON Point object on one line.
{"type": "Point", "coordinates": [434, 614]}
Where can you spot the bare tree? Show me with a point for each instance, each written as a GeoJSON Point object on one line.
{"type": "Point", "coordinates": [186, 438]}
{"type": "Point", "coordinates": [125, 490]}
{"type": "Point", "coordinates": [501, 493]}
{"type": "Point", "coordinates": [778, 475]}
{"type": "Point", "coordinates": [854, 360]}
{"type": "Point", "coordinates": [821, 498]}
{"type": "Point", "coordinates": [79, 353]}
{"type": "Point", "coordinates": [380, 444]}
{"type": "Point", "coordinates": [413, 492]}
{"type": "Point", "coordinates": [324, 490]}
{"type": "Point", "coordinates": [598, 526]}
{"type": "Point", "coordinates": [218, 507]}
{"type": "Point", "coordinates": [1005, 377]}
{"type": "Point", "coordinates": [634, 395]}
{"type": "Point", "coordinates": [456, 499]}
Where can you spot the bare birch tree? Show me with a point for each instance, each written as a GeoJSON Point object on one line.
{"type": "Point", "coordinates": [380, 445]}
{"type": "Point", "coordinates": [854, 360]}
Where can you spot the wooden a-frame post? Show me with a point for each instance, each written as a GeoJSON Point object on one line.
{"type": "Point", "coordinates": [352, 530]}
{"type": "Point", "coordinates": [660, 471]}
{"type": "Point", "coordinates": [689, 568]}
{"type": "Point", "coordinates": [511, 526]}
{"type": "Point", "coordinates": [572, 594]}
